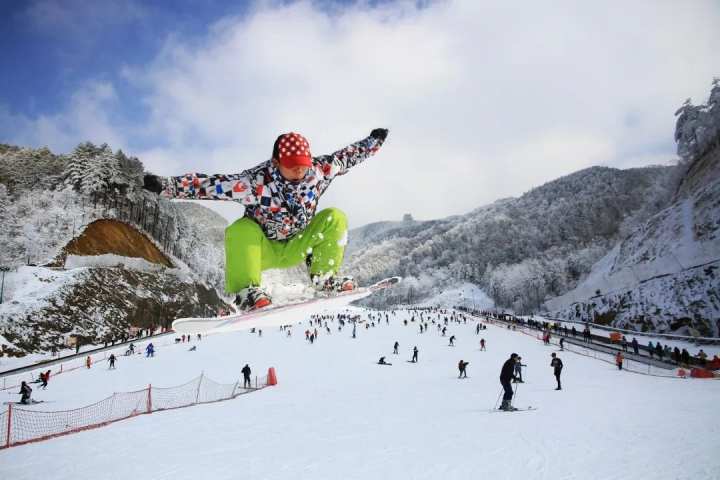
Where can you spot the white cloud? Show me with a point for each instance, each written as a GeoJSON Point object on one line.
{"type": "Point", "coordinates": [483, 100]}
{"type": "Point", "coordinates": [87, 118]}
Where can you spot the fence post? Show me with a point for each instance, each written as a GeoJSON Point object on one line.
{"type": "Point", "coordinates": [149, 399]}
{"type": "Point", "coordinates": [7, 440]}
{"type": "Point", "coordinates": [197, 395]}
{"type": "Point", "coordinates": [237, 383]}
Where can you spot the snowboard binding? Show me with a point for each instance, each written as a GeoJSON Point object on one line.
{"type": "Point", "coordinates": [252, 298]}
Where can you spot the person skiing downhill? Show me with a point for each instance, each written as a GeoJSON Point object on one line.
{"type": "Point", "coordinates": [557, 365]}
{"type": "Point", "coordinates": [280, 227]}
{"type": "Point", "coordinates": [25, 392]}
{"type": "Point", "coordinates": [619, 360]}
{"type": "Point", "coordinates": [462, 368]}
{"type": "Point", "coordinates": [518, 370]}
{"type": "Point", "coordinates": [507, 373]}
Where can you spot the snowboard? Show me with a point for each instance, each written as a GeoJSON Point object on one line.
{"type": "Point", "coordinates": [260, 317]}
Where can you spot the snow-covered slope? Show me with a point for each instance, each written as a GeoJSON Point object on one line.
{"type": "Point", "coordinates": [336, 414]}
{"type": "Point", "coordinates": [665, 275]}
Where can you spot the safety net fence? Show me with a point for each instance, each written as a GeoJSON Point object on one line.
{"type": "Point", "coordinates": [20, 424]}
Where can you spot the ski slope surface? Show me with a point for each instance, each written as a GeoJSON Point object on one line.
{"type": "Point", "coordinates": [336, 414]}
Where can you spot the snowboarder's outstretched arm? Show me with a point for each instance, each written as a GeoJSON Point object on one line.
{"type": "Point", "coordinates": [344, 159]}
{"type": "Point", "coordinates": [200, 186]}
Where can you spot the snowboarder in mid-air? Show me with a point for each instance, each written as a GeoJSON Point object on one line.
{"type": "Point", "coordinates": [507, 374]}
{"type": "Point", "coordinates": [280, 228]}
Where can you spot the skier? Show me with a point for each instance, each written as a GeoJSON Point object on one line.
{"type": "Point", "coordinates": [25, 392]}
{"type": "Point", "coordinates": [88, 361]}
{"type": "Point", "coordinates": [246, 376]}
{"type": "Point", "coordinates": [462, 368]}
{"type": "Point", "coordinates": [477, 329]}
{"type": "Point", "coordinates": [624, 344]}
{"type": "Point", "coordinates": [557, 365]}
{"type": "Point", "coordinates": [619, 360]}
{"type": "Point", "coordinates": [518, 370]}
{"type": "Point", "coordinates": [506, 375]}
{"type": "Point", "coordinates": [635, 346]}
{"type": "Point", "coordinates": [45, 380]}
{"type": "Point", "coordinates": [562, 344]}
{"type": "Point", "coordinates": [415, 354]}
{"type": "Point", "coordinates": [280, 228]}
{"type": "Point", "coordinates": [383, 362]}
{"type": "Point", "coordinates": [111, 359]}
{"type": "Point", "coordinates": [452, 341]}
{"type": "Point", "coordinates": [482, 344]}
{"type": "Point", "coordinates": [395, 348]}
{"type": "Point", "coordinates": [150, 350]}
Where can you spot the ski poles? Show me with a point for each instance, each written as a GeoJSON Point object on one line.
{"type": "Point", "coordinates": [498, 398]}
{"type": "Point", "coordinates": [514, 394]}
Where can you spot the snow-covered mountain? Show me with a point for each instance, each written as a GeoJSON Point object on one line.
{"type": "Point", "coordinates": [90, 254]}
{"type": "Point", "coordinates": [519, 250]}
{"type": "Point", "coordinates": [665, 275]}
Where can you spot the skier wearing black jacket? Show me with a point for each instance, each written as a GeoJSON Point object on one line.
{"type": "Point", "coordinates": [25, 391]}
{"type": "Point", "coordinates": [506, 375]}
{"type": "Point", "coordinates": [557, 365]}
{"type": "Point", "coordinates": [246, 376]}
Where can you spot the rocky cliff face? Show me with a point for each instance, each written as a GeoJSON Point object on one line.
{"type": "Point", "coordinates": [101, 304]}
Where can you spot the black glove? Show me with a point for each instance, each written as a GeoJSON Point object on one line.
{"type": "Point", "coordinates": [379, 133]}
{"type": "Point", "coordinates": [152, 183]}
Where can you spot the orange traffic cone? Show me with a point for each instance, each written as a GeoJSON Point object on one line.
{"type": "Point", "coordinates": [272, 378]}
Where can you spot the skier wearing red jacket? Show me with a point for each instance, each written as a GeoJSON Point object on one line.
{"type": "Point", "coordinates": [280, 227]}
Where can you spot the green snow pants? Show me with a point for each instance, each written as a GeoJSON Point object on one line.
{"type": "Point", "coordinates": [248, 251]}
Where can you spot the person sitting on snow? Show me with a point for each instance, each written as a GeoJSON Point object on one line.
{"type": "Point", "coordinates": [280, 228]}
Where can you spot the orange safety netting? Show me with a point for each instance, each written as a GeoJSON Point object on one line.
{"type": "Point", "coordinates": [19, 424]}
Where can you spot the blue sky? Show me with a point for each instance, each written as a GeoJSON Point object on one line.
{"type": "Point", "coordinates": [54, 47]}
{"type": "Point", "coordinates": [484, 99]}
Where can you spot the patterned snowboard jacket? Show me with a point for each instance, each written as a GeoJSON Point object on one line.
{"type": "Point", "coordinates": [282, 208]}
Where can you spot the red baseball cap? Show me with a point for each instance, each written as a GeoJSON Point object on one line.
{"type": "Point", "coordinates": [293, 150]}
